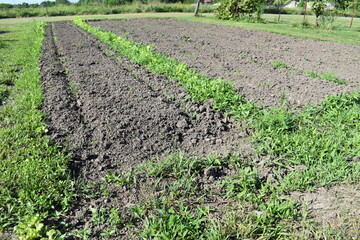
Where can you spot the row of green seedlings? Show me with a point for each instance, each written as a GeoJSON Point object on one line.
{"type": "Point", "coordinates": [327, 76]}
{"type": "Point", "coordinates": [320, 140]}
{"type": "Point", "coordinates": [35, 184]}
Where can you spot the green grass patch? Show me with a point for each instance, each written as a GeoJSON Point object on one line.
{"type": "Point", "coordinates": [63, 10]}
{"type": "Point", "coordinates": [328, 76]}
{"type": "Point", "coordinates": [291, 25]}
{"type": "Point", "coordinates": [322, 140]}
{"type": "Point", "coordinates": [248, 206]}
{"type": "Point", "coordinates": [35, 183]}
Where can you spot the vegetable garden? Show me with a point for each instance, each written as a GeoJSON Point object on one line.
{"type": "Point", "coordinates": [182, 130]}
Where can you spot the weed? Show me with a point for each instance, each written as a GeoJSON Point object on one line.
{"type": "Point", "coordinates": [327, 76]}
{"type": "Point", "coordinates": [279, 64]}
{"type": "Point", "coordinates": [241, 56]}
{"type": "Point", "coordinates": [73, 88]}
{"type": "Point", "coordinates": [186, 39]}
{"type": "Point", "coordinates": [253, 59]}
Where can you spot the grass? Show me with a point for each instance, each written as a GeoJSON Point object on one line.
{"type": "Point", "coordinates": [289, 24]}
{"type": "Point", "coordinates": [327, 76]}
{"type": "Point", "coordinates": [183, 211]}
{"type": "Point", "coordinates": [63, 10]}
{"type": "Point", "coordinates": [322, 140]}
{"type": "Point", "coordinates": [35, 182]}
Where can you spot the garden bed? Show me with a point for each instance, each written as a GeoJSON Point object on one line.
{"type": "Point", "coordinates": [264, 67]}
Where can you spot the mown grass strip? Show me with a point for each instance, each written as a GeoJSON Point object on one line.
{"type": "Point", "coordinates": [35, 183]}
{"type": "Point", "coordinates": [199, 86]}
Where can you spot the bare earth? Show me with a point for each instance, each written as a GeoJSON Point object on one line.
{"type": "Point", "coordinates": [111, 114]}
{"type": "Point", "coordinates": [244, 57]}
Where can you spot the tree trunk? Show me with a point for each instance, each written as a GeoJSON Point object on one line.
{"type": "Point", "coordinates": [197, 8]}
{"type": "Point", "coordinates": [352, 18]}
{"type": "Point", "coordinates": [279, 13]}
{"type": "Point", "coordinates": [305, 9]}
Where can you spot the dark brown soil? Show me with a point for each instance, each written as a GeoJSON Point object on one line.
{"type": "Point", "coordinates": [112, 115]}
{"type": "Point", "coordinates": [244, 56]}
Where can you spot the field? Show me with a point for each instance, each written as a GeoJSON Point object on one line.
{"type": "Point", "coordinates": [160, 128]}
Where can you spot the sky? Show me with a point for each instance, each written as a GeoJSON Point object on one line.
{"type": "Point", "coordinates": [27, 1]}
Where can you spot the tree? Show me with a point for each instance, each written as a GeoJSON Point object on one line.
{"type": "Point", "coordinates": [353, 14]}
{"type": "Point", "coordinates": [235, 9]}
{"type": "Point", "coordinates": [280, 4]}
{"type": "Point", "coordinates": [197, 7]}
{"type": "Point", "coordinates": [47, 4]}
{"type": "Point", "coordinates": [318, 8]}
{"type": "Point", "coordinates": [62, 2]}
{"type": "Point", "coordinates": [24, 5]}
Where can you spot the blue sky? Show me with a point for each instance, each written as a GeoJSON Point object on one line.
{"type": "Point", "coordinates": [27, 1]}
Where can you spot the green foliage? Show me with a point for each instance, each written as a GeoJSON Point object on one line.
{"type": "Point", "coordinates": [237, 9]}
{"type": "Point", "coordinates": [327, 76]}
{"type": "Point", "coordinates": [321, 139]}
{"type": "Point", "coordinates": [279, 64]}
{"type": "Point", "coordinates": [318, 8]}
{"type": "Point", "coordinates": [31, 228]}
{"type": "Point", "coordinates": [178, 222]}
{"type": "Point", "coordinates": [70, 10]}
{"type": "Point", "coordinates": [327, 20]}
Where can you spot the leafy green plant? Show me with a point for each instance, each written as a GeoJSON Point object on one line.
{"type": "Point", "coordinates": [31, 228]}
{"type": "Point", "coordinates": [318, 7]}
{"type": "Point", "coordinates": [237, 9]}
{"type": "Point", "coordinates": [174, 223]}
{"type": "Point", "coordinates": [327, 76]}
{"type": "Point", "coordinates": [279, 64]}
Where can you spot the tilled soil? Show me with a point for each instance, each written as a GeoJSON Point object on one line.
{"type": "Point", "coordinates": [112, 115]}
{"type": "Point", "coordinates": [244, 56]}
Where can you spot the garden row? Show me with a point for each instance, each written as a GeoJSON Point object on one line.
{"type": "Point", "coordinates": [160, 149]}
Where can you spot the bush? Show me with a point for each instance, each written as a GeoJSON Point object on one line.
{"type": "Point", "coordinates": [239, 9]}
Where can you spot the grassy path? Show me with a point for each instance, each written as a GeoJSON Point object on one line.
{"type": "Point", "coordinates": [34, 179]}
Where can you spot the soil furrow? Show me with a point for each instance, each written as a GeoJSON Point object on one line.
{"type": "Point", "coordinates": [128, 114]}
{"type": "Point", "coordinates": [112, 115]}
{"type": "Point", "coordinates": [231, 53]}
